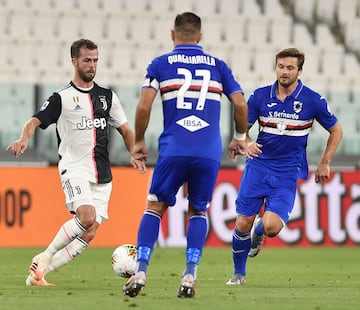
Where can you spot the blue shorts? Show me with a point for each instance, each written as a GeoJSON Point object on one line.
{"type": "Point", "coordinates": [170, 173]}
{"type": "Point", "coordinates": [258, 187]}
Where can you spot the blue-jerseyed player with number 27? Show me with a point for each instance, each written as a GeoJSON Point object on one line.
{"type": "Point", "coordinates": [285, 112]}
{"type": "Point", "coordinates": [191, 83]}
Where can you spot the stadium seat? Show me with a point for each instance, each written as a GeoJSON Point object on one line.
{"type": "Point", "coordinates": [347, 11]}
{"type": "Point", "coordinates": [114, 8]}
{"type": "Point", "coordinates": [4, 26]}
{"type": "Point", "coordinates": [213, 32]}
{"type": "Point", "coordinates": [280, 30]}
{"type": "Point", "coordinates": [332, 60]}
{"type": "Point", "coordinates": [19, 6]}
{"type": "Point", "coordinates": [230, 8]}
{"type": "Point", "coordinates": [257, 30]}
{"type": "Point", "coordinates": [242, 59]}
{"type": "Point", "coordinates": [160, 8]}
{"type": "Point", "coordinates": [301, 36]}
{"type": "Point", "coordinates": [352, 35]}
{"type": "Point", "coordinates": [208, 10]}
{"type": "Point", "coordinates": [312, 61]}
{"type": "Point", "coordinates": [20, 25]}
{"type": "Point", "coordinates": [162, 32]}
{"type": "Point", "coordinates": [45, 27]}
{"type": "Point", "coordinates": [250, 8]}
{"type": "Point", "coordinates": [117, 30]}
{"type": "Point", "coordinates": [325, 11]}
{"type": "Point", "coordinates": [141, 30]}
{"type": "Point", "coordinates": [177, 7]}
{"type": "Point", "coordinates": [271, 6]}
{"type": "Point", "coordinates": [323, 35]}
{"type": "Point", "coordinates": [264, 61]}
{"type": "Point", "coordinates": [45, 6]}
{"type": "Point", "coordinates": [135, 8]}
{"type": "Point", "coordinates": [234, 31]}
{"type": "Point", "coordinates": [304, 10]}
{"type": "Point", "coordinates": [351, 66]}
{"type": "Point", "coordinates": [89, 6]}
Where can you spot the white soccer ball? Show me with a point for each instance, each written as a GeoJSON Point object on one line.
{"type": "Point", "coordinates": [123, 260]}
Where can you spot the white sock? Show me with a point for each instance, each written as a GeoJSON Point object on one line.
{"type": "Point", "coordinates": [67, 254]}
{"type": "Point", "coordinates": [66, 234]}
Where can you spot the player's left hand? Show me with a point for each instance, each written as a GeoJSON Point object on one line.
{"type": "Point", "coordinates": [322, 173]}
{"type": "Point", "coordinates": [139, 164]}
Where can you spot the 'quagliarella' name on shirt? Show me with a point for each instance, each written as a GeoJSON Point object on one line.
{"type": "Point", "coordinates": [196, 59]}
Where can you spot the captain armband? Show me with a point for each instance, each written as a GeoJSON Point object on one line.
{"type": "Point", "coordinates": [151, 82]}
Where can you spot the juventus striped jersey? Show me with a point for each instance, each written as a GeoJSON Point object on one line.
{"type": "Point", "coordinates": [191, 84]}
{"type": "Point", "coordinates": [82, 118]}
{"type": "Point", "coordinates": [284, 127]}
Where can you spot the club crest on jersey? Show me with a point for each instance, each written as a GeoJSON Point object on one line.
{"type": "Point", "coordinates": [297, 106]}
{"type": "Point", "coordinates": [102, 99]}
{"type": "Point", "coordinates": [44, 105]}
{"type": "Point", "coordinates": [192, 123]}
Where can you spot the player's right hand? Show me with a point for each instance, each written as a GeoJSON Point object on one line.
{"type": "Point", "coordinates": [18, 147]}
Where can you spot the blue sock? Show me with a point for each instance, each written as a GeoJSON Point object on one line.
{"type": "Point", "coordinates": [196, 236]}
{"type": "Point", "coordinates": [241, 244]}
{"type": "Point", "coordinates": [147, 236]}
{"type": "Point", "coordinates": [259, 228]}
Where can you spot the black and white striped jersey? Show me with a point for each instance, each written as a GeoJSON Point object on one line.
{"type": "Point", "coordinates": [82, 118]}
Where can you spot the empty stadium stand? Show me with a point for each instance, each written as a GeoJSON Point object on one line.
{"type": "Point", "coordinates": [35, 36]}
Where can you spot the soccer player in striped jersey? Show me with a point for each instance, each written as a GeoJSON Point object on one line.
{"type": "Point", "coordinates": [285, 111]}
{"type": "Point", "coordinates": [191, 84]}
{"type": "Point", "coordinates": [83, 111]}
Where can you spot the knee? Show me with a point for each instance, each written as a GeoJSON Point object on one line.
{"type": "Point", "coordinates": [86, 216]}
{"type": "Point", "coordinates": [272, 229]}
{"type": "Point", "coordinates": [88, 222]}
{"type": "Point", "coordinates": [89, 234]}
{"type": "Point", "coordinates": [243, 223]}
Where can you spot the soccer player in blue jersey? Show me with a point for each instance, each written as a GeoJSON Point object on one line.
{"type": "Point", "coordinates": [285, 112]}
{"type": "Point", "coordinates": [191, 83]}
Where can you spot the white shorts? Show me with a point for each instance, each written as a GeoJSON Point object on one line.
{"type": "Point", "coordinates": [79, 192]}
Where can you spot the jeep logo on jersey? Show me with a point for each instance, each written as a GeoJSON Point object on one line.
{"type": "Point", "coordinates": [192, 123]}
{"type": "Point", "coordinates": [91, 123]}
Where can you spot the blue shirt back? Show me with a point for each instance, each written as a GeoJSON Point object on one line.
{"type": "Point", "coordinates": [284, 127]}
{"type": "Point", "coordinates": [191, 84]}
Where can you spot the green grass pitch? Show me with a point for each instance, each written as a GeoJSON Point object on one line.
{"type": "Point", "coordinates": [278, 278]}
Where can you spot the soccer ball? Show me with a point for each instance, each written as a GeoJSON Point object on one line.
{"type": "Point", "coordinates": [123, 260]}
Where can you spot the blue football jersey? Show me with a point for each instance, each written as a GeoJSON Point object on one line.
{"type": "Point", "coordinates": [284, 127]}
{"type": "Point", "coordinates": [191, 84]}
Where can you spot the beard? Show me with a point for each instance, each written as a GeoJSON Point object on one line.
{"type": "Point", "coordinates": [286, 83]}
{"type": "Point", "coordinates": [87, 76]}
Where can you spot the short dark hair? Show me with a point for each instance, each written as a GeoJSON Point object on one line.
{"type": "Point", "coordinates": [292, 52]}
{"type": "Point", "coordinates": [77, 45]}
{"type": "Point", "coordinates": [187, 24]}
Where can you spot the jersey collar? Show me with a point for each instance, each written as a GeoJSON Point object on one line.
{"type": "Point", "coordinates": [295, 94]}
{"type": "Point", "coordinates": [187, 47]}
